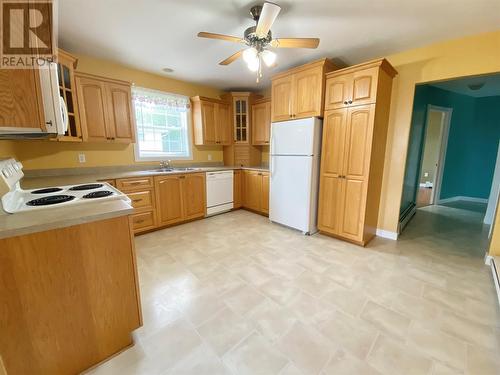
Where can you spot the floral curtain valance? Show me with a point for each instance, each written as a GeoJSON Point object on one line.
{"type": "Point", "coordinates": [153, 97]}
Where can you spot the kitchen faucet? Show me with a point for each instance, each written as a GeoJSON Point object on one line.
{"type": "Point", "coordinates": [165, 164]}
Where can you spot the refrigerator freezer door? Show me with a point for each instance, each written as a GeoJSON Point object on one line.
{"type": "Point", "coordinates": [290, 192]}
{"type": "Point", "coordinates": [295, 137]}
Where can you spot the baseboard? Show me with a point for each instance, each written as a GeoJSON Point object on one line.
{"type": "Point", "coordinates": [491, 261]}
{"type": "Point", "coordinates": [463, 198]}
{"type": "Point", "coordinates": [387, 234]}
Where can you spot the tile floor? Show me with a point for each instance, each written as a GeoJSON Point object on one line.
{"type": "Point", "coordinates": [234, 294]}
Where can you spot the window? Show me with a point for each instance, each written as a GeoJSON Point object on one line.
{"type": "Point", "coordinates": [162, 125]}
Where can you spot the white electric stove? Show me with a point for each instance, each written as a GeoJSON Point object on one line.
{"type": "Point", "coordinates": [14, 199]}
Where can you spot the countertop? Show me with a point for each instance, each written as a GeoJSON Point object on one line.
{"type": "Point", "coordinates": [68, 179]}
{"type": "Point", "coordinates": [61, 217]}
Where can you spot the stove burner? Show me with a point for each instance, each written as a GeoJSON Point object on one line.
{"type": "Point", "coordinates": [46, 191]}
{"type": "Point", "coordinates": [86, 187]}
{"type": "Point", "coordinates": [98, 194]}
{"type": "Point", "coordinates": [51, 199]}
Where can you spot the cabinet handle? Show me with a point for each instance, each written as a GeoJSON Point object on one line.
{"type": "Point", "coordinates": [139, 221]}
{"type": "Point", "coordinates": [182, 176]}
{"type": "Point", "coordinates": [137, 200]}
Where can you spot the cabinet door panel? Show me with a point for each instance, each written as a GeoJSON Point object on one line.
{"type": "Point", "coordinates": [261, 123]}
{"type": "Point", "coordinates": [253, 186]}
{"type": "Point", "coordinates": [121, 121]}
{"type": "Point", "coordinates": [224, 126]}
{"type": "Point", "coordinates": [21, 104]}
{"type": "Point", "coordinates": [237, 189]}
{"type": "Point", "coordinates": [307, 87]}
{"type": "Point", "coordinates": [93, 108]}
{"type": "Point", "coordinates": [169, 199]}
{"type": "Point", "coordinates": [364, 86]}
{"type": "Point", "coordinates": [208, 119]}
{"type": "Point", "coordinates": [281, 103]}
{"type": "Point", "coordinates": [353, 209]}
{"type": "Point", "coordinates": [338, 90]}
{"type": "Point", "coordinates": [330, 198]}
{"type": "Point", "coordinates": [334, 130]}
{"type": "Point", "coordinates": [358, 145]}
{"type": "Point", "coordinates": [265, 193]}
{"type": "Point", "coordinates": [193, 190]}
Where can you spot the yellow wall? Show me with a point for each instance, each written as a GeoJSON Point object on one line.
{"type": "Point", "coordinates": [48, 154]}
{"type": "Point", "coordinates": [475, 55]}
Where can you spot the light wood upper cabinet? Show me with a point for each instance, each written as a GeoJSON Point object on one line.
{"type": "Point", "coordinates": [353, 150]}
{"type": "Point", "coordinates": [299, 92]}
{"type": "Point", "coordinates": [261, 122]}
{"type": "Point", "coordinates": [357, 87]}
{"type": "Point", "coordinates": [21, 103]}
{"type": "Point", "coordinates": [193, 189]}
{"type": "Point", "coordinates": [169, 199]}
{"type": "Point", "coordinates": [282, 97]}
{"type": "Point", "coordinates": [121, 118]}
{"type": "Point", "coordinates": [308, 100]}
{"type": "Point", "coordinates": [105, 108]}
{"type": "Point", "coordinates": [66, 65]}
{"type": "Point", "coordinates": [93, 109]}
{"type": "Point", "coordinates": [211, 121]}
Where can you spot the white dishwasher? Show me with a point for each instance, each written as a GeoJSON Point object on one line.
{"type": "Point", "coordinates": [219, 192]}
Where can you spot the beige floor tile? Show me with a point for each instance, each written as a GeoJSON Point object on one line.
{"type": "Point", "coordinates": [291, 369]}
{"type": "Point", "coordinates": [306, 348]}
{"type": "Point", "coordinates": [313, 263]}
{"type": "Point", "coordinates": [272, 320]}
{"type": "Point", "coordinates": [416, 307]}
{"type": "Point", "coordinates": [243, 299]}
{"type": "Point", "coordinates": [388, 321]}
{"type": "Point", "coordinates": [482, 362]}
{"type": "Point", "coordinates": [310, 310]}
{"type": "Point", "coordinates": [392, 358]}
{"type": "Point", "coordinates": [343, 363]}
{"type": "Point", "coordinates": [441, 369]}
{"type": "Point", "coordinates": [440, 346]}
{"type": "Point", "coordinates": [313, 283]}
{"type": "Point", "coordinates": [446, 299]}
{"type": "Point", "coordinates": [346, 300]}
{"type": "Point", "coordinates": [280, 290]}
{"type": "Point", "coordinates": [201, 361]}
{"type": "Point", "coordinates": [253, 273]}
{"type": "Point", "coordinates": [225, 330]}
{"type": "Point", "coordinates": [254, 355]}
{"type": "Point", "coordinates": [349, 333]}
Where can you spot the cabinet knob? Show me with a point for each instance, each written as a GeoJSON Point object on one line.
{"type": "Point", "coordinates": [345, 102]}
{"type": "Point", "coordinates": [350, 101]}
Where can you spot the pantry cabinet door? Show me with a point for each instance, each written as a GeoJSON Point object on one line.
{"type": "Point", "coordinates": [338, 91]}
{"type": "Point", "coordinates": [364, 86]}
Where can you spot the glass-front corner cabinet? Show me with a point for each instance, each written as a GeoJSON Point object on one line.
{"type": "Point", "coordinates": [67, 89]}
{"type": "Point", "coordinates": [241, 119]}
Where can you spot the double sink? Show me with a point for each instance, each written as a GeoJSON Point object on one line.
{"type": "Point", "coordinates": [175, 169]}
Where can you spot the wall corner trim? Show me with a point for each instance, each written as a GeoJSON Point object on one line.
{"type": "Point", "coordinates": [463, 198]}
{"type": "Point", "coordinates": [387, 234]}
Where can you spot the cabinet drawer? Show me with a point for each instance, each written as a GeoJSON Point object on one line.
{"type": "Point", "coordinates": [141, 199]}
{"type": "Point", "coordinates": [143, 221]}
{"type": "Point", "coordinates": [125, 184]}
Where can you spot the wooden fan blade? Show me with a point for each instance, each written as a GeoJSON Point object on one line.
{"type": "Point", "coordinates": [228, 38]}
{"type": "Point", "coordinates": [295, 43]}
{"type": "Point", "coordinates": [231, 58]}
{"type": "Point", "coordinates": [266, 19]}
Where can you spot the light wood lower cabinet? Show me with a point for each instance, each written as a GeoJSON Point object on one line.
{"type": "Point", "coordinates": [237, 188]}
{"type": "Point", "coordinates": [69, 297]}
{"type": "Point", "coordinates": [180, 198]}
{"type": "Point", "coordinates": [256, 191]}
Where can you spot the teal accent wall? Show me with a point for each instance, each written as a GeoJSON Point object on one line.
{"type": "Point", "coordinates": [472, 144]}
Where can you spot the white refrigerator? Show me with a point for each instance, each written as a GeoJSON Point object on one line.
{"type": "Point", "coordinates": [294, 166]}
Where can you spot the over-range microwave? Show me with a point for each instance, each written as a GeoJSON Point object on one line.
{"type": "Point", "coordinates": [54, 108]}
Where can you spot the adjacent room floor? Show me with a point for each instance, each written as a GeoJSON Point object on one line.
{"type": "Point", "coordinates": [235, 294]}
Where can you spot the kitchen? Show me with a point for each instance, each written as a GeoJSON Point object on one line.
{"type": "Point", "coordinates": [263, 220]}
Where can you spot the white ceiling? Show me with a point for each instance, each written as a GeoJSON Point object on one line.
{"type": "Point", "coordinates": [155, 34]}
{"type": "Point", "coordinates": [461, 86]}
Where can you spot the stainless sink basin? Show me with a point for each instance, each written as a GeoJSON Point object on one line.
{"type": "Point", "coordinates": [174, 169]}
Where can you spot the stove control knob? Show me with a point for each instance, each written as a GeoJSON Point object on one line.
{"type": "Point", "coordinates": [6, 173]}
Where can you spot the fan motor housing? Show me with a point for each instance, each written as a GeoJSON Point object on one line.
{"type": "Point", "coordinates": [252, 39]}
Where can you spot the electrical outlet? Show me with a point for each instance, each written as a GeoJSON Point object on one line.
{"type": "Point", "coordinates": [426, 174]}
{"type": "Point", "coordinates": [81, 158]}
{"type": "Point", "coordinates": [209, 157]}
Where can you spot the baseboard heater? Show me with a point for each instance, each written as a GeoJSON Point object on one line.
{"type": "Point", "coordinates": [406, 216]}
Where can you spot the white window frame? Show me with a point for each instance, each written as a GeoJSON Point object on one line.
{"type": "Point", "coordinates": [137, 153]}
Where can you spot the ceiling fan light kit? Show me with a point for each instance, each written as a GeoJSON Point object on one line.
{"type": "Point", "coordinates": [259, 39]}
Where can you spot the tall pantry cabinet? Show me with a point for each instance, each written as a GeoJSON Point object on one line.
{"type": "Point", "coordinates": [357, 102]}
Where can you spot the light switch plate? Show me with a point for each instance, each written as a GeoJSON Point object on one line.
{"type": "Point", "coordinates": [81, 158]}
{"type": "Point", "coordinates": [209, 157]}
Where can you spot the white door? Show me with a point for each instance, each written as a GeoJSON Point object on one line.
{"type": "Point", "coordinates": [295, 137]}
{"type": "Point", "coordinates": [290, 191]}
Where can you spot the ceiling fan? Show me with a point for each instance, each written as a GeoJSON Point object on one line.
{"type": "Point", "coordinates": [258, 40]}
